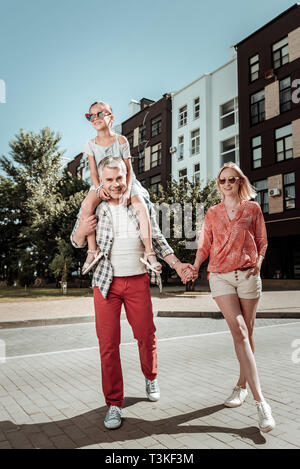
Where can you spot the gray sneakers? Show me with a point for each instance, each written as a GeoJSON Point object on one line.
{"type": "Point", "coordinates": [113, 418]}
{"type": "Point", "coordinates": [152, 390]}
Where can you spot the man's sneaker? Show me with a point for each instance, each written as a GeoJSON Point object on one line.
{"type": "Point", "coordinates": [237, 397]}
{"type": "Point", "coordinates": [113, 418]}
{"type": "Point", "coordinates": [152, 390]}
{"type": "Point", "coordinates": [266, 422]}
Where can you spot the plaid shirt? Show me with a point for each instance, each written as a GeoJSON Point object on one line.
{"type": "Point", "coordinates": [103, 274]}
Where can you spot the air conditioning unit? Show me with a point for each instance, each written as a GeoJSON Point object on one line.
{"type": "Point", "coordinates": [274, 192]}
{"type": "Point", "coordinates": [173, 149]}
{"type": "Point", "coordinates": [269, 74]}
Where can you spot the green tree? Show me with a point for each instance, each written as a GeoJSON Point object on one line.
{"type": "Point", "coordinates": [63, 262]}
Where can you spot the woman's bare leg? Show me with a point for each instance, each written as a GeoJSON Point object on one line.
{"type": "Point", "coordinates": [248, 307]}
{"type": "Point", "coordinates": [231, 310]}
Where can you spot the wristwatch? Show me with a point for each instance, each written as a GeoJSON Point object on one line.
{"type": "Point", "coordinates": [98, 189]}
{"type": "Point", "coordinates": [172, 263]}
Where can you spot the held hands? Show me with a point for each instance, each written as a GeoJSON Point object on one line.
{"type": "Point", "coordinates": [186, 272]}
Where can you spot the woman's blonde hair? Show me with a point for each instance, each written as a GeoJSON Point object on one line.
{"type": "Point", "coordinates": [103, 104]}
{"type": "Point", "coordinates": [246, 190]}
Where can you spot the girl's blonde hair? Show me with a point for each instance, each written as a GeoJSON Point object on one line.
{"type": "Point", "coordinates": [246, 190]}
{"type": "Point", "coordinates": [103, 104]}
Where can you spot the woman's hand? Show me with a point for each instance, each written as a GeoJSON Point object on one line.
{"type": "Point", "coordinates": [254, 271]}
{"type": "Point", "coordinates": [103, 194]}
{"type": "Point", "coordinates": [125, 198]}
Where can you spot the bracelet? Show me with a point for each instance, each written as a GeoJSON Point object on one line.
{"type": "Point", "coordinates": [98, 189]}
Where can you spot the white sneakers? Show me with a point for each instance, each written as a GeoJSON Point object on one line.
{"type": "Point", "coordinates": [113, 418]}
{"type": "Point", "coordinates": [152, 390]}
{"type": "Point", "coordinates": [237, 397]}
{"type": "Point", "coordinates": [266, 422]}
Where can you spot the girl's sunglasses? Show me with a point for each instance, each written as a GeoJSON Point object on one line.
{"type": "Point", "coordinates": [231, 180]}
{"type": "Point", "coordinates": [101, 115]}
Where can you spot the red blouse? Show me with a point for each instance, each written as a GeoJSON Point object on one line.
{"type": "Point", "coordinates": [234, 244]}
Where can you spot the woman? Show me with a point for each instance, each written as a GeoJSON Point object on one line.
{"type": "Point", "coordinates": [234, 237]}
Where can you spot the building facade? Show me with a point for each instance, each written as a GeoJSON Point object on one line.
{"type": "Point", "coordinates": [148, 131]}
{"type": "Point", "coordinates": [205, 124]}
{"type": "Point", "coordinates": [269, 130]}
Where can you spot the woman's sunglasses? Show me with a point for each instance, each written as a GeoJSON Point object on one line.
{"type": "Point", "coordinates": [101, 115]}
{"type": "Point", "coordinates": [231, 180]}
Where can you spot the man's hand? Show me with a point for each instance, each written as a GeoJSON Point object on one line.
{"type": "Point", "coordinates": [186, 272]}
{"type": "Point", "coordinates": [85, 227]}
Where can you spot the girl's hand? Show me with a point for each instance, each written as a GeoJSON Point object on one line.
{"type": "Point", "coordinates": [254, 271]}
{"type": "Point", "coordinates": [103, 194]}
{"type": "Point", "coordinates": [125, 198]}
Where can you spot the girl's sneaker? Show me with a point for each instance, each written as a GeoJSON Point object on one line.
{"type": "Point", "coordinates": [91, 261]}
{"type": "Point", "coordinates": [237, 397]}
{"type": "Point", "coordinates": [266, 422]}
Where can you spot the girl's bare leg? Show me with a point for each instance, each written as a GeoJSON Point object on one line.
{"type": "Point", "coordinates": [248, 308]}
{"type": "Point", "coordinates": [231, 310]}
{"type": "Point", "coordinates": [88, 206]}
{"type": "Point", "coordinates": [145, 227]}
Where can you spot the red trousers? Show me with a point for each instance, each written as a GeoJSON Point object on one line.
{"type": "Point", "coordinates": [134, 292]}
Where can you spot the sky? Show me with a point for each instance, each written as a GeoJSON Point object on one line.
{"type": "Point", "coordinates": [59, 56]}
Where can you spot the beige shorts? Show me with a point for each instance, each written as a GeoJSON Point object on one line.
{"type": "Point", "coordinates": [235, 282]}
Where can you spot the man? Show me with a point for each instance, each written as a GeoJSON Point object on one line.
{"type": "Point", "coordinates": [119, 278]}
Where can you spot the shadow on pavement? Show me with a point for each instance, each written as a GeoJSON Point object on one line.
{"type": "Point", "coordinates": [88, 429]}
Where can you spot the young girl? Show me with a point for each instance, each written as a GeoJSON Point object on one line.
{"type": "Point", "coordinates": [105, 144]}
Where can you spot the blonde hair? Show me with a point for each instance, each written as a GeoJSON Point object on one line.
{"type": "Point", "coordinates": [246, 190]}
{"type": "Point", "coordinates": [103, 104]}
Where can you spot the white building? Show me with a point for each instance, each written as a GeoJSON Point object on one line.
{"type": "Point", "coordinates": [205, 124]}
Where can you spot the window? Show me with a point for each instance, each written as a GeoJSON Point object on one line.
{"type": "Point", "coordinates": [182, 175]}
{"type": "Point", "coordinates": [289, 191]}
{"type": "Point", "coordinates": [285, 94]}
{"type": "Point", "coordinates": [156, 126]}
{"type": "Point", "coordinates": [230, 150]}
{"type": "Point", "coordinates": [141, 162]}
{"type": "Point", "coordinates": [182, 117]}
{"type": "Point", "coordinates": [257, 107]}
{"type": "Point", "coordinates": [180, 147]}
{"type": "Point", "coordinates": [280, 53]}
{"type": "Point", "coordinates": [130, 139]}
{"type": "Point", "coordinates": [228, 113]}
{"type": "Point", "coordinates": [195, 142]}
{"type": "Point", "coordinates": [154, 184]}
{"type": "Point", "coordinates": [197, 174]}
{"type": "Point", "coordinates": [155, 156]}
{"type": "Point", "coordinates": [256, 151]}
{"type": "Point", "coordinates": [261, 188]}
{"type": "Point", "coordinates": [142, 133]}
{"type": "Point", "coordinates": [254, 67]}
{"type": "Point", "coordinates": [196, 108]}
{"type": "Point", "coordinates": [284, 143]}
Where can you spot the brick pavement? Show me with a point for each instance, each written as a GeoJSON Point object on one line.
{"type": "Point", "coordinates": [55, 400]}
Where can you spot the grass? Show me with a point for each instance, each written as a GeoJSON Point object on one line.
{"type": "Point", "coordinates": [10, 294]}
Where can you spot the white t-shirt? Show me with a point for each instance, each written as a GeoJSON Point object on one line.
{"type": "Point", "coordinates": [127, 246]}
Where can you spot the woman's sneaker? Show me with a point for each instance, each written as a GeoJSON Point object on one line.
{"type": "Point", "coordinates": [266, 422]}
{"type": "Point", "coordinates": [237, 397]}
{"type": "Point", "coordinates": [113, 418]}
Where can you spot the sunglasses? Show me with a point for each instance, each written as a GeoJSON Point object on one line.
{"type": "Point", "coordinates": [101, 115]}
{"type": "Point", "coordinates": [231, 180]}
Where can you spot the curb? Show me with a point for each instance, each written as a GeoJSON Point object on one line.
{"type": "Point", "coordinates": [219, 315]}
{"type": "Point", "coordinates": [45, 322]}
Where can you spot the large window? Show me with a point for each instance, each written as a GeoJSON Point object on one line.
{"type": "Point", "coordinates": [289, 191]}
{"type": "Point", "coordinates": [180, 147]}
{"type": "Point", "coordinates": [182, 173]}
{"type": "Point", "coordinates": [142, 133]}
{"type": "Point", "coordinates": [155, 181]}
{"type": "Point", "coordinates": [254, 67]}
{"type": "Point", "coordinates": [285, 94]}
{"type": "Point", "coordinates": [196, 108]}
{"type": "Point", "coordinates": [195, 142]}
{"type": "Point", "coordinates": [228, 113]}
{"type": "Point", "coordinates": [230, 150]}
{"type": "Point", "coordinates": [261, 188]}
{"type": "Point", "coordinates": [280, 53]}
{"type": "Point", "coordinates": [284, 143]}
{"type": "Point", "coordinates": [256, 151]}
{"type": "Point", "coordinates": [155, 156]}
{"type": "Point", "coordinates": [182, 116]}
{"type": "Point", "coordinates": [257, 107]}
{"type": "Point", "coordinates": [141, 162]}
{"type": "Point", "coordinates": [156, 126]}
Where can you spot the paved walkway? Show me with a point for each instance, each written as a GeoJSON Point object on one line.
{"type": "Point", "coordinates": [82, 309]}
